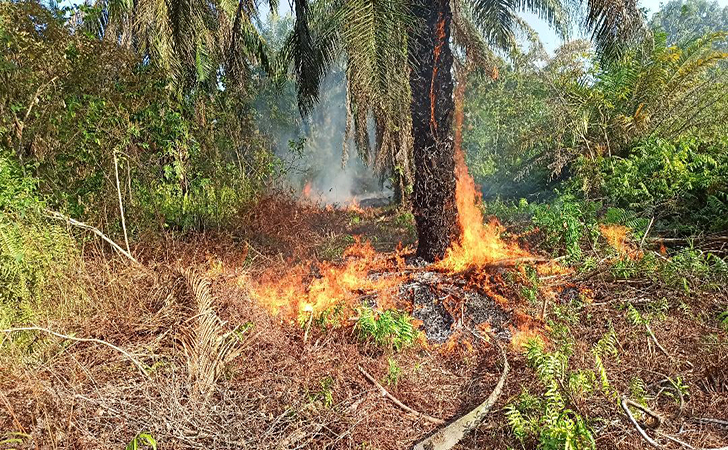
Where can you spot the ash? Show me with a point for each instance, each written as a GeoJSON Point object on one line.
{"type": "Point", "coordinates": [442, 304]}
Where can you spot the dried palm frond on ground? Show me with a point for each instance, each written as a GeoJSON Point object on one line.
{"type": "Point", "coordinates": [206, 345]}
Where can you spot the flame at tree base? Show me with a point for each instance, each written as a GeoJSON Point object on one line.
{"type": "Point", "coordinates": [480, 243]}
{"type": "Point", "coordinates": [308, 289]}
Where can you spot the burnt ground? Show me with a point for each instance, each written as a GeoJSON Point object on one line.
{"type": "Point", "coordinates": [286, 390]}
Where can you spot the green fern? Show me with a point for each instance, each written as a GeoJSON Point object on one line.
{"type": "Point", "coordinates": [606, 346]}
{"type": "Point", "coordinates": [548, 419]}
{"type": "Point", "coordinates": [389, 328]}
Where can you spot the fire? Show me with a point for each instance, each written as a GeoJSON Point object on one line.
{"type": "Point", "coordinates": [307, 190]}
{"type": "Point", "coordinates": [314, 290]}
{"type": "Point", "coordinates": [480, 243]}
{"type": "Point", "coordinates": [354, 206]}
{"type": "Point", "coordinates": [617, 238]}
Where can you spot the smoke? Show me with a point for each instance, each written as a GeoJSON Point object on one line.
{"type": "Point", "coordinates": [311, 148]}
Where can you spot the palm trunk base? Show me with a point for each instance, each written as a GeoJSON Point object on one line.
{"type": "Point", "coordinates": [433, 198]}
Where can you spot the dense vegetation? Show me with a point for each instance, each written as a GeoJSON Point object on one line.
{"type": "Point", "coordinates": [183, 144]}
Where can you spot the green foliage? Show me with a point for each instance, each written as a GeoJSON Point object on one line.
{"type": "Point", "coordinates": [334, 248]}
{"type": "Point", "coordinates": [723, 319]}
{"type": "Point", "coordinates": [692, 269]}
{"type": "Point", "coordinates": [606, 346]}
{"type": "Point", "coordinates": [14, 437]}
{"type": "Point", "coordinates": [325, 394]}
{"type": "Point", "coordinates": [685, 20]}
{"type": "Point", "coordinates": [389, 328]}
{"type": "Point", "coordinates": [74, 104]}
{"type": "Point", "coordinates": [394, 372]}
{"type": "Point", "coordinates": [548, 420]}
{"type": "Point", "coordinates": [566, 224]}
{"type": "Point", "coordinates": [685, 180]}
{"type": "Point", "coordinates": [530, 288]}
{"type": "Point", "coordinates": [142, 440]}
{"type": "Point", "coordinates": [327, 319]}
{"type": "Point", "coordinates": [38, 259]}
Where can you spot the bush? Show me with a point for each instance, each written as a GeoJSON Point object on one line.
{"type": "Point", "coordinates": [75, 106]}
{"type": "Point", "coordinates": [685, 182]}
{"type": "Point", "coordinates": [548, 420]}
{"type": "Point", "coordinates": [39, 261]}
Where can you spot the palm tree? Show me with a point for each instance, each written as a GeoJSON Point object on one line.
{"type": "Point", "coordinates": [388, 41]}
{"type": "Point", "coordinates": [194, 41]}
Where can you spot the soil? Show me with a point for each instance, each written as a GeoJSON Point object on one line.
{"type": "Point", "coordinates": [289, 388]}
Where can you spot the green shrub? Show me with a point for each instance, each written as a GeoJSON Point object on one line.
{"type": "Point", "coordinates": [567, 223]}
{"type": "Point", "coordinates": [692, 269]}
{"type": "Point", "coordinates": [685, 181]}
{"type": "Point", "coordinates": [185, 161]}
{"type": "Point", "coordinates": [548, 420]}
{"type": "Point", "coordinates": [389, 328]}
{"type": "Point", "coordinates": [39, 259]}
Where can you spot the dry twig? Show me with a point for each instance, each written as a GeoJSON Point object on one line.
{"type": "Point", "coordinates": [96, 231]}
{"type": "Point", "coordinates": [139, 365]}
{"type": "Point", "coordinates": [657, 343]}
{"type": "Point", "coordinates": [394, 399]}
{"type": "Point", "coordinates": [626, 403]}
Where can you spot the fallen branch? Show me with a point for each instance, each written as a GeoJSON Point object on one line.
{"type": "Point", "coordinates": [72, 338]}
{"type": "Point", "coordinates": [446, 438]}
{"type": "Point", "coordinates": [657, 343]}
{"type": "Point", "coordinates": [686, 445]}
{"type": "Point", "coordinates": [711, 421]}
{"type": "Point", "coordinates": [397, 402]}
{"type": "Point", "coordinates": [96, 231]}
{"type": "Point", "coordinates": [626, 403]}
{"type": "Point", "coordinates": [688, 239]}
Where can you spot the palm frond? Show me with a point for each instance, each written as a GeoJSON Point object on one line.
{"type": "Point", "coordinates": [616, 25]}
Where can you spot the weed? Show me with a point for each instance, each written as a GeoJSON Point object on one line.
{"type": "Point", "coordinates": [723, 319]}
{"type": "Point", "coordinates": [329, 318]}
{"type": "Point", "coordinates": [142, 440]}
{"type": "Point", "coordinates": [691, 269]}
{"type": "Point", "coordinates": [389, 328]}
{"type": "Point", "coordinates": [14, 437]}
{"type": "Point", "coordinates": [606, 346]}
{"type": "Point", "coordinates": [638, 390]}
{"type": "Point", "coordinates": [335, 247]}
{"type": "Point", "coordinates": [548, 420]}
{"type": "Point", "coordinates": [325, 394]}
{"type": "Point", "coordinates": [393, 372]}
{"type": "Point", "coordinates": [681, 389]}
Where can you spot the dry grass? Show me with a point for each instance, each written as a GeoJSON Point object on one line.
{"type": "Point", "coordinates": [210, 387]}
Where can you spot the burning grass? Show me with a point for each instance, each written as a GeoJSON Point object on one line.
{"type": "Point", "coordinates": [282, 378]}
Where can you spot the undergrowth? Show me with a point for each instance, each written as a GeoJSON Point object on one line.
{"type": "Point", "coordinates": [389, 329]}
{"type": "Point", "coordinates": [551, 420]}
{"type": "Point", "coordinates": [40, 261]}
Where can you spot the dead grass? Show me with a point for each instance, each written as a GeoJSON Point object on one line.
{"type": "Point", "coordinates": [269, 389]}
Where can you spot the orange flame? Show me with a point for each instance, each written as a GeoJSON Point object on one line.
{"type": "Point", "coordinates": [303, 290]}
{"type": "Point", "coordinates": [480, 244]}
{"type": "Point", "coordinates": [354, 206]}
{"type": "Point", "coordinates": [617, 238]}
{"type": "Point", "coordinates": [307, 190]}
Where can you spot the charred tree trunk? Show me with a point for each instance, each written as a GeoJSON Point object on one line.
{"type": "Point", "coordinates": [431, 81]}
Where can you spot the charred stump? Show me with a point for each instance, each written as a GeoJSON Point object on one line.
{"type": "Point", "coordinates": [431, 81]}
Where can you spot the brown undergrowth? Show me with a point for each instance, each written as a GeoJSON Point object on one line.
{"type": "Point", "coordinates": [222, 372]}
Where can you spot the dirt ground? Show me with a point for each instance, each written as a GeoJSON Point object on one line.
{"type": "Point", "coordinates": [286, 386]}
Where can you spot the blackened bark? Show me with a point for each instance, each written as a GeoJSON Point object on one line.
{"type": "Point", "coordinates": [431, 81]}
